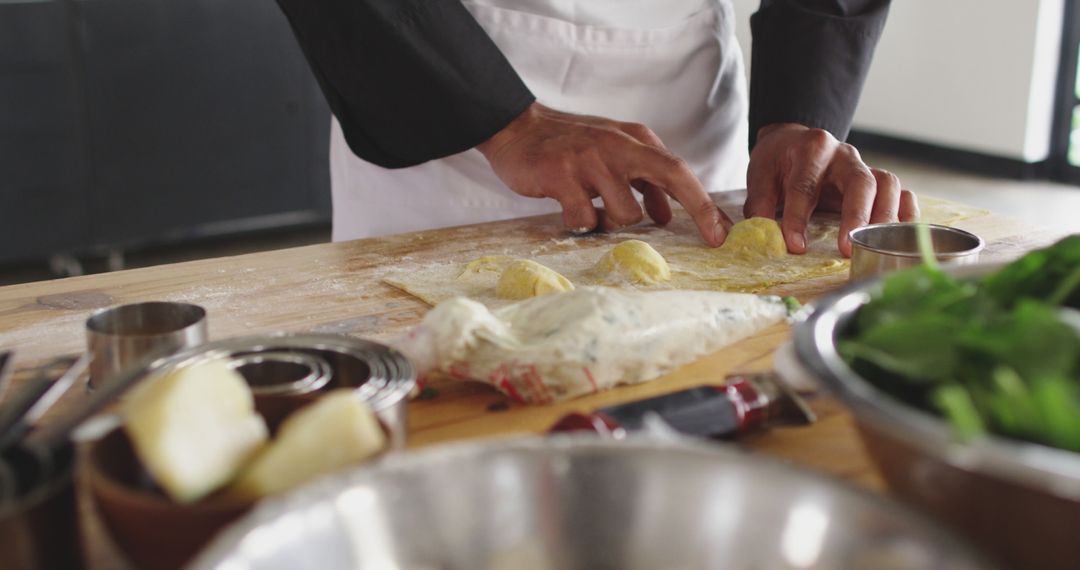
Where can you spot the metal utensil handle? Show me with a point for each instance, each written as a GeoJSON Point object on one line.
{"type": "Point", "coordinates": [13, 415]}
{"type": "Point", "coordinates": [38, 396]}
{"type": "Point", "coordinates": [59, 432]}
{"type": "Point", "coordinates": [5, 371]}
{"type": "Point", "coordinates": [58, 389]}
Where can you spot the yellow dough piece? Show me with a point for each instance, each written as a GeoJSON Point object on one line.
{"type": "Point", "coordinates": [488, 264]}
{"type": "Point", "coordinates": [524, 278]}
{"type": "Point", "coordinates": [334, 432]}
{"type": "Point", "coordinates": [756, 237]}
{"type": "Point", "coordinates": [733, 267]}
{"type": "Point", "coordinates": [636, 261]}
{"type": "Point", "coordinates": [194, 428]}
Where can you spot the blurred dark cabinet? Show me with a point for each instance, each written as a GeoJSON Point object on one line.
{"type": "Point", "coordinates": [42, 182]}
{"type": "Point", "coordinates": [125, 122]}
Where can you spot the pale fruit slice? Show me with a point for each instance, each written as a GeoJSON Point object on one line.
{"type": "Point", "coordinates": [756, 237]}
{"type": "Point", "coordinates": [525, 278]}
{"type": "Point", "coordinates": [635, 261]}
{"type": "Point", "coordinates": [194, 428]}
{"type": "Point", "coordinates": [334, 432]}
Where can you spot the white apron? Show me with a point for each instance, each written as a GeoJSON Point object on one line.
{"type": "Point", "coordinates": [673, 65]}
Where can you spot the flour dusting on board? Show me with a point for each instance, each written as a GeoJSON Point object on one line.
{"type": "Point", "coordinates": [693, 266]}
{"type": "Point", "coordinates": [233, 300]}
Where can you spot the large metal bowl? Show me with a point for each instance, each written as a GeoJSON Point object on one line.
{"type": "Point", "coordinates": [1019, 500]}
{"type": "Point", "coordinates": [579, 501]}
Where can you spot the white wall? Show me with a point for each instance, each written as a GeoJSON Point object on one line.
{"type": "Point", "coordinates": [976, 75]}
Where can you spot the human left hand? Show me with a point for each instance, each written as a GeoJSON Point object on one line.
{"type": "Point", "coordinates": [545, 153]}
{"type": "Point", "coordinates": [800, 169]}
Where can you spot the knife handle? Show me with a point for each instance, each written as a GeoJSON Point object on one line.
{"type": "Point", "coordinates": [720, 412]}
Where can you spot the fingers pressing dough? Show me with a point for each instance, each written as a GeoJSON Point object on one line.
{"type": "Point", "coordinates": [635, 261]}
{"type": "Point", "coordinates": [756, 237]}
{"type": "Point", "coordinates": [524, 278]}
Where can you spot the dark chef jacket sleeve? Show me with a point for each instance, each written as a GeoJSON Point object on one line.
{"type": "Point", "coordinates": [409, 80]}
{"type": "Point", "coordinates": [809, 61]}
{"type": "Point", "coordinates": [415, 80]}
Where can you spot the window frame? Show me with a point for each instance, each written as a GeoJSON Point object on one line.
{"type": "Point", "coordinates": [1067, 99]}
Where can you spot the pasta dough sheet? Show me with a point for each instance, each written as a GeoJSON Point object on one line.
{"type": "Point", "coordinates": [693, 266]}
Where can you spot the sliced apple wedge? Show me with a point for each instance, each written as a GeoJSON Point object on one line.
{"type": "Point", "coordinates": [194, 428]}
{"type": "Point", "coordinates": [336, 431]}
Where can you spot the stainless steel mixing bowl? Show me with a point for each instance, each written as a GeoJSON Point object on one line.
{"type": "Point", "coordinates": [1019, 500]}
{"type": "Point", "coordinates": [573, 502]}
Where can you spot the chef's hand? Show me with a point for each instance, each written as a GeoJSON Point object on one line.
{"type": "Point", "coordinates": [799, 169]}
{"type": "Point", "coordinates": [545, 153]}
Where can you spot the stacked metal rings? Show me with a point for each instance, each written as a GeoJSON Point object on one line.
{"type": "Point", "coordinates": [285, 371]}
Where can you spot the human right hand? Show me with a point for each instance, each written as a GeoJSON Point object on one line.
{"type": "Point", "coordinates": [802, 170]}
{"type": "Point", "coordinates": [570, 158]}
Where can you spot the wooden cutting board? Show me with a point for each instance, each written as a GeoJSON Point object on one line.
{"type": "Point", "coordinates": [337, 288]}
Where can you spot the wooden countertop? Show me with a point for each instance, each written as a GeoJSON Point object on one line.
{"type": "Point", "coordinates": [337, 288]}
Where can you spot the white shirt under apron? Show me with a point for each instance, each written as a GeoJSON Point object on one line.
{"type": "Point", "coordinates": [673, 65]}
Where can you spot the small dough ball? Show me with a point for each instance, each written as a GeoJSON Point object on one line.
{"type": "Point", "coordinates": [635, 261]}
{"type": "Point", "coordinates": [525, 278]}
{"type": "Point", "coordinates": [756, 237]}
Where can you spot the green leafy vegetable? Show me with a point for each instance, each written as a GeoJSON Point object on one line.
{"type": "Point", "coordinates": [957, 405]}
{"type": "Point", "coordinates": [1011, 404]}
{"type": "Point", "coordinates": [926, 245]}
{"type": "Point", "coordinates": [1042, 274]}
{"type": "Point", "coordinates": [1056, 399]}
{"type": "Point", "coordinates": [919, 348]}
{"type": "Point", "coordinates": [1067, 287]}
{"type": "Point", "coordinates": [997, 354]}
